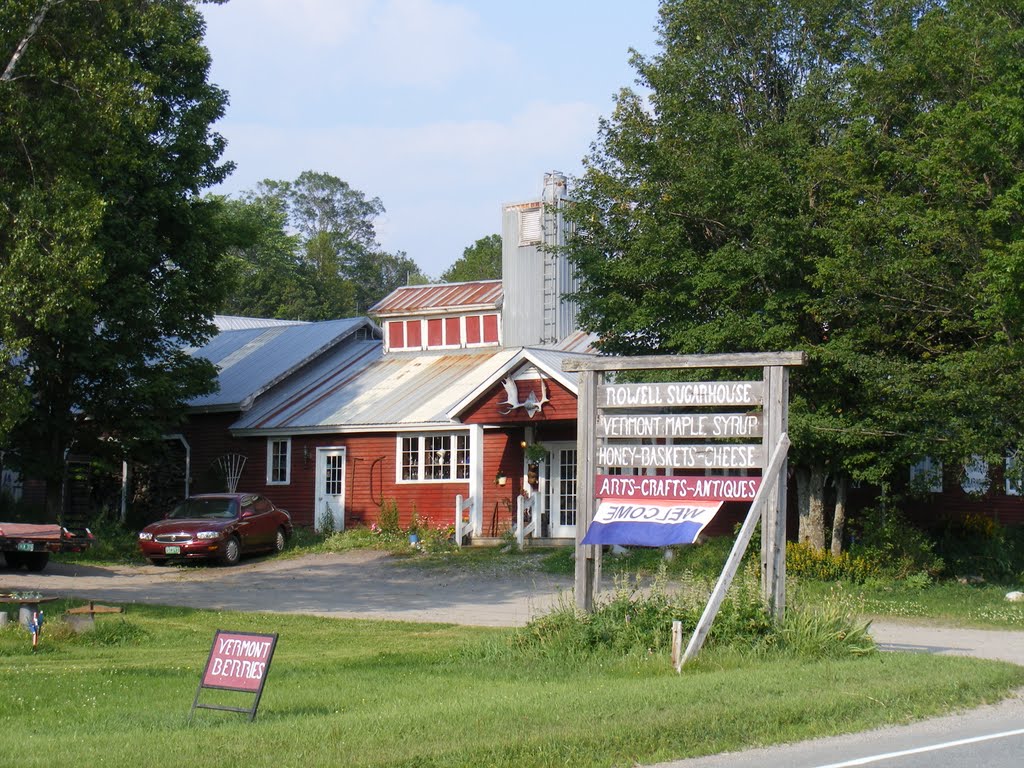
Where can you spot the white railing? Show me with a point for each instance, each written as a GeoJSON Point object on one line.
{"type": "Point", "coordinates": [531, 528]}
{"type": "Point", "coordinates": [465, 519]}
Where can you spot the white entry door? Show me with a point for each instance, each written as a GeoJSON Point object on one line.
{"type": "Point", "coordinates": [560, 493]}
{"type": "Point", "coordinates": [330, 489]}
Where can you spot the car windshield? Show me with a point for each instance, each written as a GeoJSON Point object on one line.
{"type": "Point", "coordinates": [205, 509]}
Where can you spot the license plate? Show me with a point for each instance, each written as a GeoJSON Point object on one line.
{"type": "Point", "coordinates": [172, 550]}
{"type": "Point", "coordinates": [26, 546]}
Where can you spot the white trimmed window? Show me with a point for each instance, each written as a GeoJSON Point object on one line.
{"type": "Point", "coordinates": [437, 456]}
{"type": "Point", "coordinates": [975, 480]}
{"type": "Point", "coordinates": [279, 461]}
{"type": "Point", "coordinates": [1013, 486]}
{"type": "Point", "coordinates": [927, 475]}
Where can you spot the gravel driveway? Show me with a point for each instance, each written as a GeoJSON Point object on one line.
{"type": "Point", "coordinates": [357, 584]}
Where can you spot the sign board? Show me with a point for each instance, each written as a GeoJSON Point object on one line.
{"type": "Point", "coordinates": [238, 661]}
{"type": "Point", "coordinates": [650, 523]}
{"type": "Point", "coordinates": [669, 487]}
{"type": "Point", "coordinates": [713, 425]}
{"type": "Point", "coordinates": [721, 456]}
{"type": "Point", "coordinates": [653, 453]}
{"type": "Point", "coordinates": [685, 394]}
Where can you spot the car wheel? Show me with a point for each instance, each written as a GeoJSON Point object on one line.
{"type": "Point", "coordinates": [280, 540]}
{"type": "Point", "coordinates": [232, 552]}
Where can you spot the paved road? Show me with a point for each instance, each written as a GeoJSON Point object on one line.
{"type": "Point", "coordinates": [367, 584]}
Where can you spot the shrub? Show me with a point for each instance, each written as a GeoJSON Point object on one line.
{"type": "Point", "coordinates": [820, 564]}
{"type": "Point", "coordinates": [894, 546]}
{"type": "Point", "coordinates": [829, 629]}
{"type": "Point", "coordinates": [979, 546]}
{"type": "Point", "coordinates": [387, 519]}
{"type": "Point", "coordinates": [639, 621]}
{"type": "Point", "coordinates": [437, 539]}
{"type": "Point", "coordinates": [326, 521]}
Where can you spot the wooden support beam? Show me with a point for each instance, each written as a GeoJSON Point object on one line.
{"type": "Point", "coordinates": [732, 564]}
{"type": "Point", "coordinates": [662, 362]}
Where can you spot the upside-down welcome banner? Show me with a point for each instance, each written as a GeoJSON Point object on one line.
{"type": "Point", "coordinates": [649, 522]}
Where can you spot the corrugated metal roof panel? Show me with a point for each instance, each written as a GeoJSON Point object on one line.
{"type": "Point", "coordinates": [253, 359]}
{"type": "Point", "coordinates": [580, 342]}
{"type": "Point", "coordinates": [396, 389]}
{"type": "Point", "coordinates": [236, 323]}
{"type": "Point", "coordinates": [420, 299]}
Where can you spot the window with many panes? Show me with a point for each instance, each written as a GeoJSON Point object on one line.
{"type": "Point", "coordinates": [279, 461]}
{"type": "Point", "coordinates": [436, 456]}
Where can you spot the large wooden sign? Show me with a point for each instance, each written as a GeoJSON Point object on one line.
{"type": "Point", "coordinates": [646, 450]}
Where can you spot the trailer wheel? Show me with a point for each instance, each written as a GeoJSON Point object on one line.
{"type": "Point", "coordinates": [14, 560]}
{"type": "Point", "coordinates": [36, 561]}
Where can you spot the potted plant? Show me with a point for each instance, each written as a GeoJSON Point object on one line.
{"type": "Point", "coordinates": [535, 453]}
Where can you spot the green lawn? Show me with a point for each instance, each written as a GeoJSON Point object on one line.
{"type": "Point", "coordinates": [365, 693]}
{"type": "Point", "coordinates": [947, 602]}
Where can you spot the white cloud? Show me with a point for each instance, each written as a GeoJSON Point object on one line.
{"type": "Point", "coordinates": [314, 22]}
{"type": "Point", "coordinates": [427, 43]}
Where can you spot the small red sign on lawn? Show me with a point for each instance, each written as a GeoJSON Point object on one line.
{"type": "Point", "coordinates": [238, 662]}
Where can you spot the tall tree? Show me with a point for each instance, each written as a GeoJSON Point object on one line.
{"type": "Point", "coordinates": [922, 201]}
{"type": "Point", "coordinates": [479, 261]}
{"type": "Point", "coordinates": [110, 261]}
{"type": "Point", "coordinates": [262, 259]}
{"type": "Point", "coordinates": [315, 254]}
{"type": "Point", "coordinates": [734, 209]}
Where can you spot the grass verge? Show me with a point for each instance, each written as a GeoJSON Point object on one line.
{"type": "Point", "coordinates": [947, 602]}
{"type": "Point", "coordinates": [366, 693]}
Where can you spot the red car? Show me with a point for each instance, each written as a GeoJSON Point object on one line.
{"type": "Point", "coordinates": [217, 526]}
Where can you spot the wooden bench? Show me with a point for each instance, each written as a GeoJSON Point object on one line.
{"type": "Point", "coordinates": [84, 616]}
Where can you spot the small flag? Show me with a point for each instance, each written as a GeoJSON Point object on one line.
{"type": "Point", "coordinates": [649, 522]}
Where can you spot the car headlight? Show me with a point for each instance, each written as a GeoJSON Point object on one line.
{"type": "Point", "coordinates": [208, 534]}
{"type": "Point", "coordinates": [145, 536]}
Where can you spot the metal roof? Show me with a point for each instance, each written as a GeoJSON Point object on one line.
{"type": "Point", "coordinates": [375, 391]}
{"type": "Point", "coordinates": [580, 342]}
{"type": "Point", "coordinates": [252, 360]}
{"type": "Point", "coordinates": [446, 297]}
{"type": "Point", "coordinates": [237, 323]}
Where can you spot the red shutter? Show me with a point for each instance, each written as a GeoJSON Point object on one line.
{"type": "Point", "coordinates": [473, 329]}
{"type": "Point", "coordinates": [452, 334]}
{"type": "Point", "coordinates": [491, 329]}
{"type": "Point", "coordinates": [434, 333]}
{"type": "Point", "coordinates": [415, 333]}
{"type": "Point", "coordinates": [396, 336]}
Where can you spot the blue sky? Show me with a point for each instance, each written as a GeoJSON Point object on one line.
{"type": "Point", "coordinates": [444, 109]}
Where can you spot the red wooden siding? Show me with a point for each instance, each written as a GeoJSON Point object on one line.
{"type": "Point", "coordinates": [561, 405]}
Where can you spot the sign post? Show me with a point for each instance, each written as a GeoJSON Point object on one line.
{"type": "Point", "coordinates": [663, 426]}
{"type": "Point", "coordinates": [238, 662]}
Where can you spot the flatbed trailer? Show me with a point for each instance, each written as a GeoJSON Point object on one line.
{"type": "Point", "coordinates": [29, 545]}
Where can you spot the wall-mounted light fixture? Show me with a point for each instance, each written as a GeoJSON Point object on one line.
{"type": "Point", "coordinates": [500, 478]}
{"type": "Point", "coordinates": [305, 455]}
